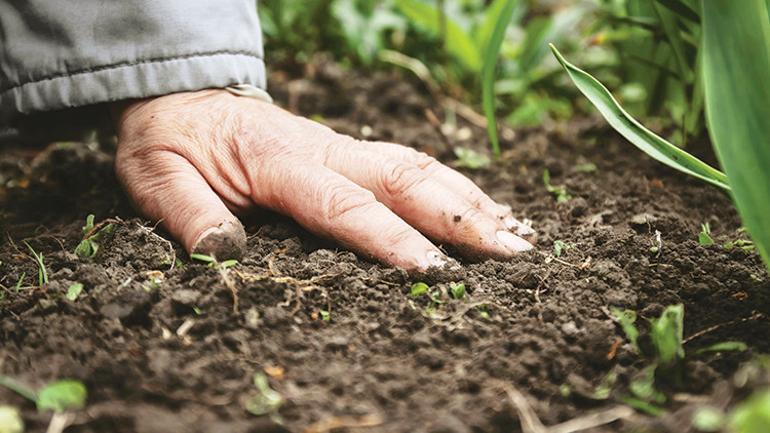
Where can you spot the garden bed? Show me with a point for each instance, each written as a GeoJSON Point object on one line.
{"type": "Point", "coordinates": [168, 345]}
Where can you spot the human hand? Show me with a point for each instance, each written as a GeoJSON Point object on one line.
{"type": "Point", "coordinates": [193, 160]}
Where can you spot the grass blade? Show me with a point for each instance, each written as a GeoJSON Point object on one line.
{"type": "Point", "coordinates": [736, 68]}
{"type": "Point", "coordinates": [681, 9]}
{"type": "Point", "coordinates": [646, 140]}
{"type": "Point", "coordinates": [491, 53]}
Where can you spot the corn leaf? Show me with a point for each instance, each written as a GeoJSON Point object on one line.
{"type": "Point", "coordinates": [641, 137]}
{"type": "Point", "coordinates": [736, 68]}
{"type": "Point", "coordinates": [491, 53]}
{"type": "Point", "coordinates": [458, 43]}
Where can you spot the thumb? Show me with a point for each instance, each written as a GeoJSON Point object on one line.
{"type": "Point", "coordinates": [167, 188]}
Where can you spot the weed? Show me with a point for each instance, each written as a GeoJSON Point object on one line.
{"type": "Point", "coordinates": [457, 290]}
{"type": "Point", "coordinates": [325, 315]}
{"type": "Point", "coordinates": [704, 237]}
{"type": "Point", "coordinates": [89, 245]}
{"type": "Point", "coordinates": [469, 158]}
{"type": "Point", "coordinates": [212, 261]}
{"type": "Point", "coordinates": [266, 401]}
{"type": "Point", "coordinates": [42, 272]}
{"type": "Point", "coordinates": [10, 420]}
{"type": "Point", "coordinates": [20, 282]}
{"type": "Point", "coordinates": [560, 247]}
{"type": "Point", "coordinates": [59, 396]}
{"type": "Point", "coordinates": [73, 291]}
{"type": "Point", "coordinates": [418, 289]}
{"type": "Point", "coordinates": [559, 192]}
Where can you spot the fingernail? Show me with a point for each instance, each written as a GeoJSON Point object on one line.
{"type": "Point", "coordinates": [511, 223]}
{"type": "Point", "coordinates": [436, 259]}
{"type": "Point", "coordinates": [226, 241]}
{"type": "Point", "coordinates": [513, 242]}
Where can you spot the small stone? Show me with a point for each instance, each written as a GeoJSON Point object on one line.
{"type": "Point", "coordinates": [186, 297]}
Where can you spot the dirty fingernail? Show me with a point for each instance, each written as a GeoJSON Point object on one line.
{"type": "Point", "coordinates": [513, 242]}
{"type": "Point", "coordinates": [227, 241]}
{"type": "Point", "coordinates": [521, 229]}
{"type": "Point", "coordinates": [436, 259]}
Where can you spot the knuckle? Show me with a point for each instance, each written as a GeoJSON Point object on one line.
{"type": "Point", "coordinates": [466, 222]}
{"type": "Point", "coordinates": [401, 178]}
{"type": "Point", "coordinates": [397, 235]}
{"type": "Point", "coordinates": [340, 201]}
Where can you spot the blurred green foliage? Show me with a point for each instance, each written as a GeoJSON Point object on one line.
{"type": "Point", "coordinates": [644, 50]}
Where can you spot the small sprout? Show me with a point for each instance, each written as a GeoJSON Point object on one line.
{"type": "Point", "coordinates": [753, 414]}
{"type": "Point", "coordinates": [483, 313]}
{"type": "Point", "coordinates": [560, 247]}
{"type": "Point", "coordinates": [266, 401]}
{"type": "Point", "coordinates": [325, 315]}
{"type": "Point", "coordinates": [708, 419]}
{"type": "Point", "coordinates": [643, 386]}
{"type": "Point", "coordinates": [469, 158]}
{"type": "Point", "coordinates": [20, 282]}
{"type": "Point", "coordinates": [627, 319]}
{"type": "Point", "coordinates": [73, 291]}
{"type": "Point", "coordinates": [704, 237]}
{"type": "Point", "coordinates": [666, 333]}
{"type": "Point", "coordinates": [62, 396]}
{"type": "Point", "coordinates": [654, 249]}
{"type": "Point", "coordinates": [559, 192]}
{"type": "Point", "coordinates": [588, 167]}
{"type": "Point", "coordinates": [197, 310]}
{"type": "Point", "coordinates": [457, 290]}
{"type": "Point", "coordinates": [212, 262]}
{"type": "Point", "coordinates": [90, 243]}
{"type": "Point", "coordinates": [10, 420]}
{"type": "Point", "coordinates": [418, 289]}
{"type": "Point", "coordinates": [604, 389]}
{"type": "Point", "coordinates": [565, 390]}
{"type": "Point", "coordinates": [724, 346]}
{"type": "Point", "coordinates": [742, 244]}
{"type": "Point", "coordinates": [42, 272]}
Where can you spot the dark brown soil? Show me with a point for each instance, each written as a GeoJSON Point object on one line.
{"type": "Point", "coordinates": [161, 349]}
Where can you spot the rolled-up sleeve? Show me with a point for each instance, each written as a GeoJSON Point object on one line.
{"type": "Point", "coordinates": [58, 54]}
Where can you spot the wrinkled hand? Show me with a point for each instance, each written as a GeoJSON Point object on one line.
{"type": "Point", "coordinates": [193, 160]}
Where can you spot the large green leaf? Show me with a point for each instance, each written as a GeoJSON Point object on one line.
{"type": "Point", "coordinates": [646, 140]}
{"type": "Point", "coordinates": [736, 68]}
{"type": "Point", "coordinates": [458, 43]}
{"type": "Point", "coordinates": [491, 53]}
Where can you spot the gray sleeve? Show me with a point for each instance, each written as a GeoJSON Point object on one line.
{"type": "Point", "coordinates": [57, 54]}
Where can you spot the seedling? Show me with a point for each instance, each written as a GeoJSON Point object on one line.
{"type": "Point", "coordinates": [89, 246]}
{"type": "Point", "coordinates": [42, 272]}
{"type": "Point", "coordinates": [559, 192]}
{"type": "Point", "coordinates": [266, 401]}
{"type": "Point", "coordinates": [20, 282]}
{"type": "Point", "coordinates": [325, 315]}
{"type": "Point", "coordinates": [457, 290]}
{"type": "Point", "coordinates": [469, 158]}
{"type": "Point", "coordinates": [10, 420]}
{"type": "Point", "coordinates": [73, 291]}
{"type": "Point", "coordinates": [666, 335]}
{"type": "Point", "coordinates": [212, 262]}
{"type": "Point", "coordinates": [418, 289]}
{"type": "Point", "coordinates": [704, 237]}
{"type": "Point", "coordinates": [588, 167]}
{"type": "Point", "coordinates": [560, 247]}
{"type": "Point", "coordinates": [59, 396]}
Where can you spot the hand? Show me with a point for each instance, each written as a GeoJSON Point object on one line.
{"type": "Point", "coordinates": [193, 160]}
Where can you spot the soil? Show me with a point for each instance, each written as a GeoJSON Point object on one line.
{"type": "Point", "coordinates": [166, 344]}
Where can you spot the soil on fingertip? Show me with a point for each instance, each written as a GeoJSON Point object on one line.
{"type": "Point", "coordinates": [162, 346]}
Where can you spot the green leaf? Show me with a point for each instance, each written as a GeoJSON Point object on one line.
{"type": "Point", "coordinates": [752, 415]}
{"type": "Point", "coordinates": [228, 263]}
{"type": "Point", "coordinates": [559, 191]}
{"type": "Point", "coordinates": [457, 42]}
{"type": "Point", "coordinates": [325, 315]}
{"type": "Point", "coordinates": [708, 419]}
{"type": "Point", "coordinates": [627, 320]}
{"type": "Point", "coordinates": [73, 291]}
{"type": "Point", "coordinates": [202, 258]}
{"type": "Point", "coordinates": [667, 334]}
{"type": "Point", "coordinates": [62, 395]}
{"type": "Point", "coordinates": [457, 290]}
{"type": "Point", "coordinates": [419, 289]}
{"type": "Point", "coordinates": [681, 9]}
{"type": "Point", "coordinates": [491, 53]}
{"type": "Point", "coordinates": [266, 401]}
{"type": "Point", "coordinates": [724, 346]}
{"type": "Point", "coordinates": [10, 420]}
{"type": "Point", "coordinates": [652, 144]}
{"type": "Point", "coordinates": [643, 386]}
{"type": "Point", "coordinates": [704, 237]}
{"type": "Point", "coordinates": [559, 247]}
{"type": "Point", "coordinates": [471, 159]}
{"type": "Point", "coordinates": [736, 67]}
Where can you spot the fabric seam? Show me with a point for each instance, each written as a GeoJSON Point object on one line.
{"type": "Point", "coordinates": [129, 64]}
